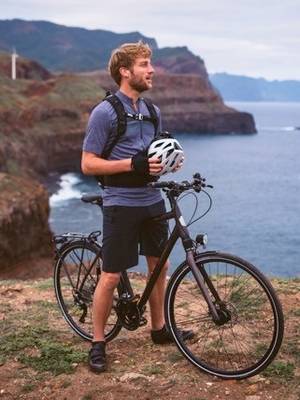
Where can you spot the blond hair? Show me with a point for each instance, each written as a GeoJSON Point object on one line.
{"type": "Point", "coordinates": [125, 56]}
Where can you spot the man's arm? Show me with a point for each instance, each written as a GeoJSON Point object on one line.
{"type": "Point", "coordinates": [91, 164]}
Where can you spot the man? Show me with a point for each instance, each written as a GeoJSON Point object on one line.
{"type": "Point", "coordinates": [126, 205]}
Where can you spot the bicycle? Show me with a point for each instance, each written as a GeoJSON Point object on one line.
{"type": "Point", "coordinates": [228, 303]}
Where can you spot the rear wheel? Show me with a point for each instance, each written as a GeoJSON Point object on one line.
{"type": "Point", "coordinates": [252, 329]}
{"type": "Point", "coordinates": [76, 275]}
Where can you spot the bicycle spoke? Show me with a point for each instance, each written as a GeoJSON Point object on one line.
{"type": "Point", "coordinates": [76, 278]}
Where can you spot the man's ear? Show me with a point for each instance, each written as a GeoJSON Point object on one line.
{"type": "Point", "coordinates": [125, 73]}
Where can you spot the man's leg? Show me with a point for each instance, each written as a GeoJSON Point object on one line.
{"type": "Point", "coordinates": [102, 303]}
{"type": "Point", "coordinates": [159, 332]}
{"type": "Point", "coordinates": [157, 297]}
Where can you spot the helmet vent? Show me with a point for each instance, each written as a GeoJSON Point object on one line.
{"type": "Point", "coordinates": [169, 153]}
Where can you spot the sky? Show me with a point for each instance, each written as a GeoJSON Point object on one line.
{"type": "Point", "coordinates": [256, 38]}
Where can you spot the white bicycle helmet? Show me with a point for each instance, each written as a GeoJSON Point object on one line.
{"type": "Point", "coordinates": [169, 151]}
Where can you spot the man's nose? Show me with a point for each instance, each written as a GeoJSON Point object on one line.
{"type": "Point", "coordinates": [151, 69]}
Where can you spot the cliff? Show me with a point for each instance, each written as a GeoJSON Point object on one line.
{"type": "Point", "coordinates": [189, 103]}
{"type": "Point", "coordinates": [24, 212]}
{"type": "Point", "coordinates": [42, 125]}
{"type": "Point", "coordinates": [42, 122]}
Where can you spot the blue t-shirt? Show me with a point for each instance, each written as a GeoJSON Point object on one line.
{"type": "Point", "coordinates": [138, 135]}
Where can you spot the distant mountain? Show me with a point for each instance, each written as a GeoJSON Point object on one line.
{"type": "Point", "coordinates": [62, 48]}
{"type": "Point", "coordinates": [243, 88]}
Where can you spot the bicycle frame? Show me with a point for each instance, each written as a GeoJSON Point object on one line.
{"type": "Point", "coordinates": [180, 231]}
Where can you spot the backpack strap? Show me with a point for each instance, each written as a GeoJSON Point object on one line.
{"type": "Point", "coordinates": [121, 124]}
{"type": "Point", "coordinates": [153, 115]}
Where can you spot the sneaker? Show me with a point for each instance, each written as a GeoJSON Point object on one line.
{"type": "Point", "coordinates": [97, 358]}
{"type": "Point", "coordinates": [163, 336]}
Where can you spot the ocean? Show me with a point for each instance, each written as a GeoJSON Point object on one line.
{"type": "Point", "coordinates": [256, 178]}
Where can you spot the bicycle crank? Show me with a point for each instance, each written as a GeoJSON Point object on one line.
{"type": "Point", "coordinates": [129, 313]}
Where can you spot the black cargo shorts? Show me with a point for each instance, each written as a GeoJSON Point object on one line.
{"type": "Point", "coordinates": [128, 232]}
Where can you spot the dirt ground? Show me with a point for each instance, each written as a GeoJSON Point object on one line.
{"type": "Point", "coordinates": [42, 359]}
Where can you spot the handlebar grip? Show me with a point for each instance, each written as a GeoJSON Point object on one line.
{"type": "Point", "coordinates": [159, 185]}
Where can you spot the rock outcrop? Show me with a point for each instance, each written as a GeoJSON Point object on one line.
{"type": "Point", "coordinates": [189, 103]}
{"type": "Point", "coordinates": [24, 212]}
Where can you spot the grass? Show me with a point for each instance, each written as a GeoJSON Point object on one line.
{"type": "Point", "coordinates": [44, 284]}
{"type": "Point", "coordinates": [28, 387]}
{"type": "Point", "coordinates": [175, 357]}
{"type": "Point", "coordinates": [280, 370]}
{"type": "Point", "coordinates": [87, 396]}
{"type": "Point", "coordinates": [296, 312]}
{"type": "Point", "coordinates": [152, 369]}
{"type": "Point", "coordinates": [34, 344]}
{"type": "Point", "coordinates": [54, 357]}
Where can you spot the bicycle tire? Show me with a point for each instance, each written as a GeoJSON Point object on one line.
{"type": "Point", "coordinates": [249, 341]}
{"type": "Point", "coordinates": [74, 299]}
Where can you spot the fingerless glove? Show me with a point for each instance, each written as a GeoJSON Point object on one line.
{"type": "Point", "coordinates": [139, 163]}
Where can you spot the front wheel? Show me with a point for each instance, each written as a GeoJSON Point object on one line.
{"type": "Point", "coordinates": [252, 329]}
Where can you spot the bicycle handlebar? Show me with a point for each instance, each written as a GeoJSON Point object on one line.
{"type": "Point", "coordinates": [178, 187]}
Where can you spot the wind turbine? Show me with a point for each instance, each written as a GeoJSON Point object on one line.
{"type": "Point", "coordinates": [14, 64]}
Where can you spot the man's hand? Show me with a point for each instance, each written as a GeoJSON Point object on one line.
{"type": "Point", "coordinates": [154, 166]}
{"type": "Point", "coordinates": [179, 165]}
{"type": "Point", "coordinates": [143, 165]}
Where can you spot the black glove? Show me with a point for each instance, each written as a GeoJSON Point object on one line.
{"type": "Point", "coordinates": [139, 163]}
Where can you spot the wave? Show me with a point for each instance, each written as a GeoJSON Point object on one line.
{"type": "Point", "coordinates": [67, 190]}
{"type": "Point", "coordinates": [279, 128]}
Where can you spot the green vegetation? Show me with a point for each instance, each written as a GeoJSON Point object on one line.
{"type": "Point", "coordinates": [34, 343]}
{"type": "Point", "coordinates": [28, 387]}
{"type": "Point", "coordinates": [152, 369]}
{"type": "Point", "coordinates": [280, 370]}
{"type": "Point", "coordinates": [57, 358]}
{"type": "Point", "coordinates": [34, 111]}
{"type": "Point", "coordinates": [38, 347]}
{"type": "Point", "coordinates": [175, 357]}
{"type": "Point", "coordinates": [88, 396]}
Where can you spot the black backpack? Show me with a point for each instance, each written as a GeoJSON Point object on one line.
{"type": "Point", "coordinates": [122, 117]}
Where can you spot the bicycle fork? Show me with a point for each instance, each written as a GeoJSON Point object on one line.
{"type": "Point", "coordinates": [218, 320]}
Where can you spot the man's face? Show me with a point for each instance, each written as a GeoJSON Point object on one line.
{"type": "Point", "coordinates": [141, 74]}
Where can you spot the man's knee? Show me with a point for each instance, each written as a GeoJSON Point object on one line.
{"type": "Point", "coordinates": [110, 279]}
{"type": "Point", "coordinates": [152, 262]}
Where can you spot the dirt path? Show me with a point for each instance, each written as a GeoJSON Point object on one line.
{"type": "Point", "coordinates": [40, 358]}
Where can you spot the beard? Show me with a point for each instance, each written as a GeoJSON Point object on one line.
{"type": "Point", "coordinates": [138, 84]}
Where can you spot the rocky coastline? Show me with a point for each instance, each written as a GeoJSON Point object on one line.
{"type": "Point", "coordinates": [24, 229]}
{"type": "Point", "coordinates": [42, 123]}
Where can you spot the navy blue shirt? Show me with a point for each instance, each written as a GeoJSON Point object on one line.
{"type": "Point", "coordinates": [138, 135]}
